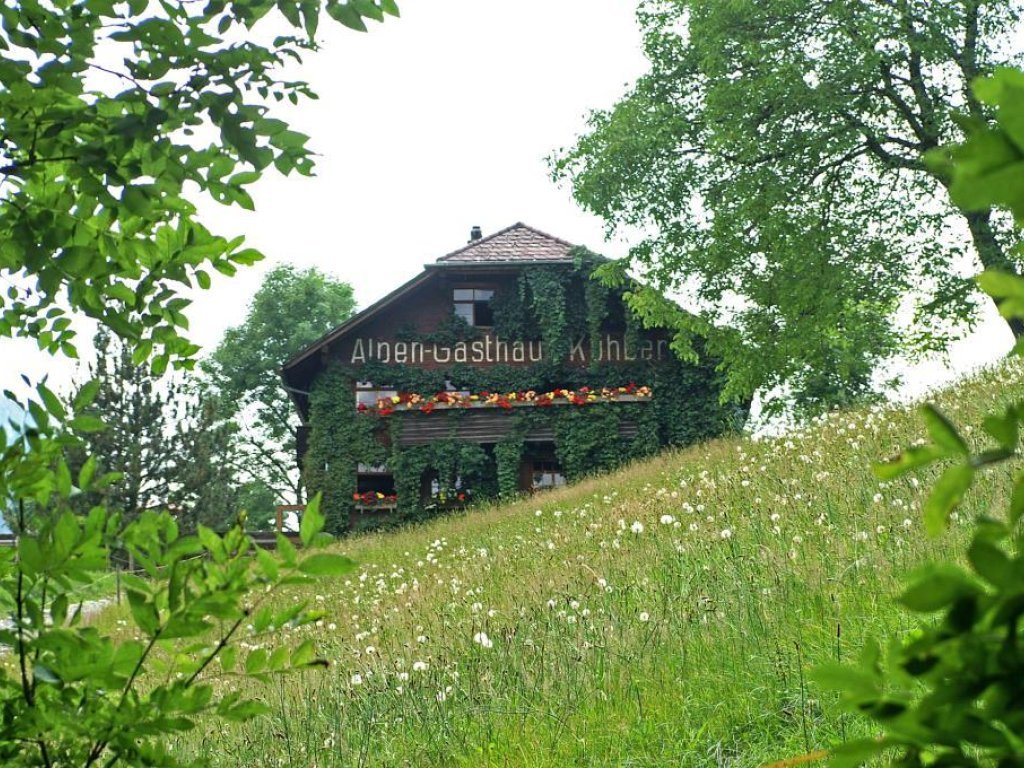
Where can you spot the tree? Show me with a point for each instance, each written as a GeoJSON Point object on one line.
{"type": "Point", "coordinates": [110, 114]}
{"type": "Point", "coordinates": [94, 219]}
{"type": "Point", "coordinates": [292, 309]}
{"type": "Point", "coordinates": [947, 692]}
{"type": "Point", "coordinates": [164, 438]}
{"type": "Point", "coordinates": [771, 157]}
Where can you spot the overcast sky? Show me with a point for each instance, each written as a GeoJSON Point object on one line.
{"type": "Point", "coordinates": [426, 126]}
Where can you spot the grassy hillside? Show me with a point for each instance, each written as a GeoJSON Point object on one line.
{"type": "Point", "coordinates": [667, 614]}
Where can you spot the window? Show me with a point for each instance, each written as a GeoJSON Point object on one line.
{"type": "Point", "coordinates": [367, 394]}
{"type": "Point", "coordinates": [474, 306]}
{"type": "Point", "coordinates": [547, 474]}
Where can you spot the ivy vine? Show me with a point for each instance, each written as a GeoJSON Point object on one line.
{"type": "Point", "coordinates": [537, 305]}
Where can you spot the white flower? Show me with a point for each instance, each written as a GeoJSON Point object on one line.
{"type": "Point", "coordinates": [667, 519]}
{"type": "Point", "coordinates": [403, 676]}
{"type": "Point", "coordinates": [421, 639]}
{"type": "Point", "coordinates": [357, 679]}
{"type": "Point", "coordinates": [419, 666]}
{"type": "Point", "coordinates": [370, 650]}
{"type": "Point", "coordinates": [645, 616]}
{"type": "Point", "coordinates": [637, 527]}
{"type": "Point", "coordinates": [481, 639]}
{"type": "Point", "coordinates": [726, 533]}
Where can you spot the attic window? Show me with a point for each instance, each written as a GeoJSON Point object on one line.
{"type": "Point", "coordinates": [474, 306]}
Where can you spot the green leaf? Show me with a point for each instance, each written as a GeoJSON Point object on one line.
{"type": "Point", "coordinates": [943, 432]}
{"type": "Point", "coordinates": [347, 15]}
{"type": "Point", "coordinates": [245, 710]}
{"type": "Point", "coordinates": [86, 473]}
{"type": "Point", "coordinates": [87, 423]}
{"type": "Point", "coordinates": [86, 395]}
{"type": "Point", "coordinates": [245, 177]}
{"type": "Point", "coordinates": [323, 564]}
{"type": "Point", "coordinates": [51, 401]}
{"type": "Point", "coordinates": [143, 611]}
{"type": "Point", "coordinates": [63, 479]}
{"type": "Point", "coordinates": [268, 567]}
{"type": "Point", "coordinates": [304, 655]}
{"type": "Point", "coordinates": [256, 661]}
{"type": "Point", "coordinates": [312, 521]}
{"type": "Point", "coordinates": [911, 458]}
{"type": "Point", "coordinates": [991, 563]}
{"type": "Point", "coordinates": [945, 496]}
{"type": "Point", "coordinates": [228, 658]}
{"type": "Point", "coordinates": [286, 550]}
{"type": "Point", "coordinates": [1004, 428]}
{"type": "Point", "coordinates": [936, 587]}
{"type": "Point", "coordinates": [1017, 499]}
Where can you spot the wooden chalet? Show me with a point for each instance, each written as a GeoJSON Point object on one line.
{"type": "Point", "coordinates": [401, 331]}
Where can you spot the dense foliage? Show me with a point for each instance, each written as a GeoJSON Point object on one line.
{"type": "Point", "coordinates": [543, 303]}
{"type": "Point", "coordinates": [772, 157]}
{"type": "Point", "coordinates": [292, 309]}
{"type": "Point", "coordinates": [111, 116]}
{"type": "Point", "coordinates": [951, 692]}
{"type": "Point", "coordinates": [165, 440]}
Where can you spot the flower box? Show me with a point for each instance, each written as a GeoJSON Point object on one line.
{"type": "Point", "coordinates": [411, 402]}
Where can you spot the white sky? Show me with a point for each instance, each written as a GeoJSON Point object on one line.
{"type": "Point", "coordinates": [426, 126]}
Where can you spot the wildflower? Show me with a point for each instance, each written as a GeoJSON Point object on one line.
{"type": "Point", "coordinates": [726, 533]}
{"type": "Point", "coordinates": [419, 666]}
{"type": "Point", "coordinates": [667, 519]}
{"type": "Point", "coordinates": [481, 639]}
{"type": "Point", "coordinates": [637, 527]}
{"type": "Point", "coordinates": [357, 679]}
{"type": "Point", "coordinates": [644, 616]}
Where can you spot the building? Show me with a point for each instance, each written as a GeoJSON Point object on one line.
{"type": "Point", "coordinates": [502, 368]}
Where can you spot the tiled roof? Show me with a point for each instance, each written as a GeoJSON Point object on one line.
{"type": "Point", "coordinates": [516, 243]}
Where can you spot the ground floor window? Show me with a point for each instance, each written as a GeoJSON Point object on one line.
{"type": "Point", "coordinates": [546, 474]}
{"type": "Point", "coordinates": [375, 488]}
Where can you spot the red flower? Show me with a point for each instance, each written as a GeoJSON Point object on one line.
{"type": "Point", "coordinates": [361, 407]}
{"type": "Point", "coordinates": [427, 407]}
{"type": "Point", "coordinates": [577, 400]}
{"type": "Point", "coordinates": [385, 411]}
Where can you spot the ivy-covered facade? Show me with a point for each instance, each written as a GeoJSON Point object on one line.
{"type": "Point", "coordinates": [502, 369]}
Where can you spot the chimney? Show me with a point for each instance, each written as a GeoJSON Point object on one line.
{"type": "Point", "coordinates": [475, 234]}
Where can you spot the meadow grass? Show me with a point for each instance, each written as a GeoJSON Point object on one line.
{"type": "Point", "coordinates": [665, 614]}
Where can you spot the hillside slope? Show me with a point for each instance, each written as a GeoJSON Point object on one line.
{"type": "Point", "coordinates": [666, 614]}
